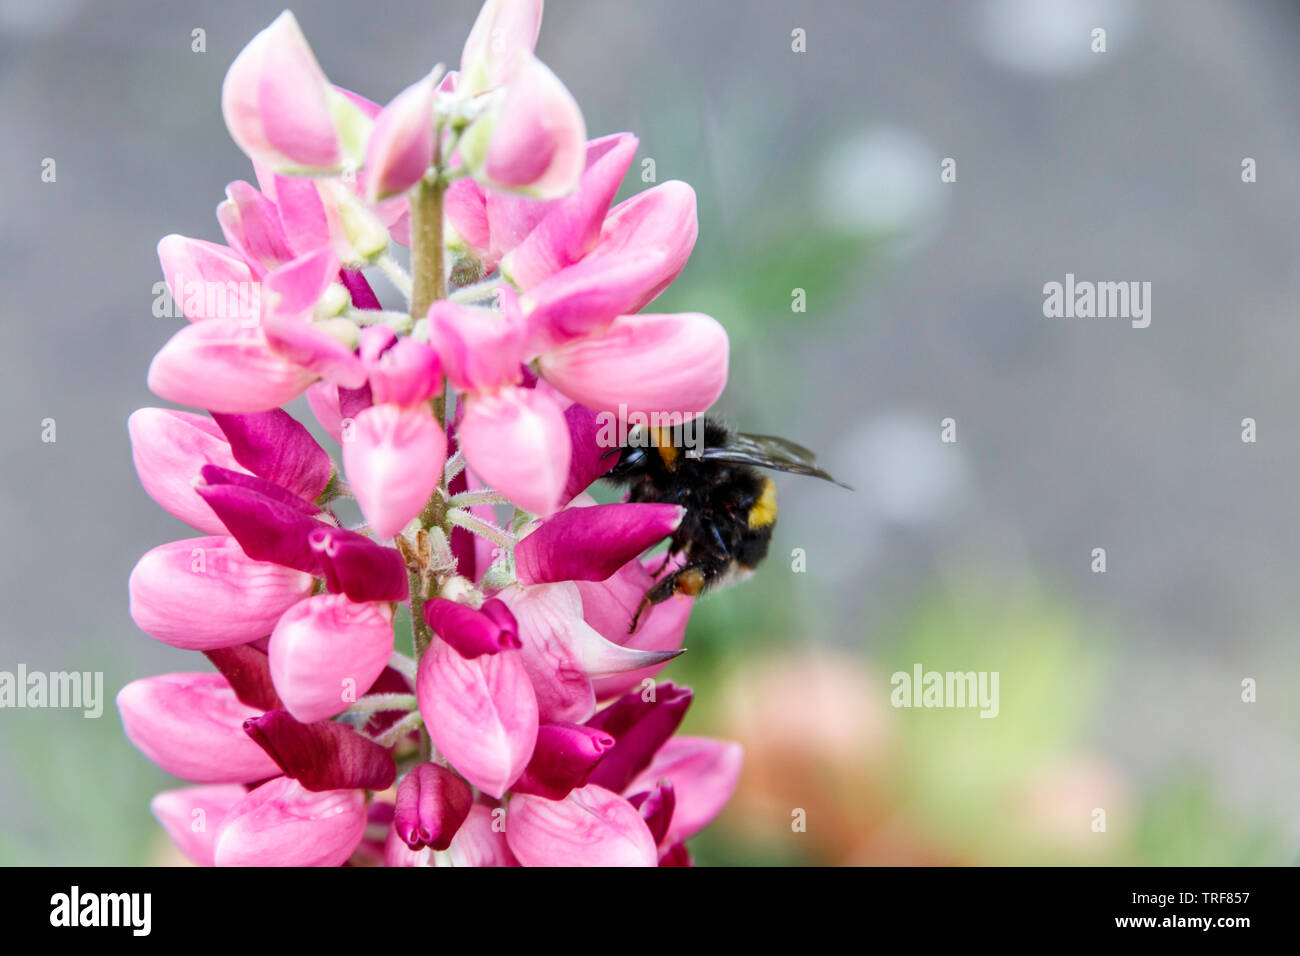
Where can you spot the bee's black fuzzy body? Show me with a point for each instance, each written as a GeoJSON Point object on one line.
{"type": "Point", "coordinates": [730, 506]}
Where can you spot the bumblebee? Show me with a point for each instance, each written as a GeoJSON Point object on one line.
{"type": "Point", "coordinates": [730, 507]}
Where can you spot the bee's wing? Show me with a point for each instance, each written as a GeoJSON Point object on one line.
{"type": "Point", "coordinates": [768, 451]}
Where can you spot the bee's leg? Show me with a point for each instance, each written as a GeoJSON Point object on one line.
{"type": "Point", "coordinates": [689, 580]}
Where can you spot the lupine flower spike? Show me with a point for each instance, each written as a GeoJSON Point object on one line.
{"type": "Point", "coordinates": [526, 727]}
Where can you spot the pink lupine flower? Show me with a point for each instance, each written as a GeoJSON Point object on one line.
{"type": "Point", "coordinates": [468, 433]}
{"type": "Point", "coordinates": [480, 841]}
{"type": "Point", "coordinates": [589, 827]}
{"type": "Point", "coordinates": [225, 366]}
{"type": "Point", "coordinates": [644, 363]}
{"type": "Point", "coordinates": [204, 593]}
{"type": "Point", "coordinates": [533, 141]}
{"type": "Point", "coordinates": [192, 816]}
{"type": "Point", "coordinates": [704, 772]}
{"type": "Point", "coordinates": [283, 824]}
{"type": "Point", "coordinates": [278, 105]}
{"type": "Point", "coordinates": [169, 447]}
{"type": "Point", "coordinates": [191, 725]}
{"type": "Point", "coordinates": [326, 650]}
{"type": "Point", "coordinates": [400, 148]}
{"type": "Point", "coordinates": [481, 714]}
{"type": "Point", "coordinates": [503, 30]}
{"type": "Point", "coordinates": [203, 275]}
{"type": "Point", "coordinates": [396, 449]}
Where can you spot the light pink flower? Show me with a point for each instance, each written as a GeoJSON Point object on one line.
{"type": "Point", "coordinates": [278, 105]}
{"type": "Point", "coordinates": [589, 827]}
{"type": "Point", "coordinates": [169, 448]}
{"type": "Point", "coordinates": [192, 816]}
{"type": "Point", "coordinates": [282, 824]}
{"type": "Point", "coordinates": [191, 725]}
{"type": "Point", "coordinates": [481, 714]}
{"type": "Point", "coordinates": [204, 593]}
{"type": "Point", "coordinates": [393, 458]}
{"type": "Point", "coordinates": [326, 651]}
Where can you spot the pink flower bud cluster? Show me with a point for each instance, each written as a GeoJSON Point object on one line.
{"type": "Point", "coordinates": [528, 727]}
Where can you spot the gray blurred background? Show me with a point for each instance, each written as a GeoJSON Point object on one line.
{"type": "Point", "coordinates": [820, 171]}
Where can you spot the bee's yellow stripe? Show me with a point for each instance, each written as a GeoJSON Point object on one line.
{"type": "Point", "coordinates": [763, 514]}
{"type": "Point", "coordinates": [667, 450]}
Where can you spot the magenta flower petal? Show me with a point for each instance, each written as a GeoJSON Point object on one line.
{"type": "Point", "coordinates": [563, 759]}
{"type": "Point", "coordinates": [397, 853]}
{"type": "Point", "coordinates": [676, 855]}
{"type": "Point", "coordinates": [326, 651]}
{"type": "Point", "coordinates": [591, 543]}
{"type": "Point", "coordinates": [704, 774]}
{"type": "Point", "coordinates": [472, 632]}
{"type": "Point", "coordinates": [393, 462]}
{"type": "Point", "coordinates": [269, 523]}
{"type": "Point", "coordinates": [276, 446]}
{"type": "Point", "coordinates": [326, 755]}
{"type": "Point", "coordinates": [272, 524]}
{"type": "Point", "coordinates": [169, 448]}
{"type": "Point", "coordinates": [400, 148]}
{"type": "Point", "coordinates": [432, 803]}
{"type": "Point", "coordinates": [363, 296]}
{"type": "Point", "coordinates": [644, 363]}
{"type": "Point", "coordinates": [589, 460]}
{"type": "Point", "coordinates": [589, 827]}
{"type": "Point", "coordinates": [571, 226]}
{"type": "Point", "coordinates": [481, 839]}
{"type": "Point", "coordinates": [192, 815]}
{"type": "Point", "coordinates": [480, 713]}
{"type": "Point", "coordinates": [204, 593]}
{"type": "Point", "coordinates": [190, 725]}
{"type": "Point", "coordinates": [640, 728]}
{"type": "Point", "coordinates": [209, 281]}
{"type": "Point", "coordinates": [356, 566]}
{"type": "Point", "coordinates": [225, 366]}
{"type": "Point", "coordinates": [276, 101]}
{"type": "Point", "coordinates": [517, 441]}
{"type": "Point", "coordinates": [246, 668]}
{"type": "Point", "coordinates": [656, 805]}
{"type": "Point", "coordinates": [281, 823]}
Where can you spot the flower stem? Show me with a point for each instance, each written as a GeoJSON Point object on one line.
{"type": "Point", "coordinates": [428, 268]}
{"type": "Point", "coordinates": [377, 702]}
{"type": "Point", "coordinates": [484, 529]}
{"type": "Point", "coordinates": [428, 284]}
